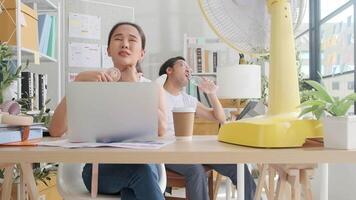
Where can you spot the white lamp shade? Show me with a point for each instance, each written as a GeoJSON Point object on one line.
{"type": "Point", "coordinates": [239, 82]}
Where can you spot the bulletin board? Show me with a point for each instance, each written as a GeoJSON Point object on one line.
{"type": "Point", "coordinates": [87, 26]}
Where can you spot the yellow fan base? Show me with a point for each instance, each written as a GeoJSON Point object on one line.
{"type": "Point", "coordinates": [281, 126]}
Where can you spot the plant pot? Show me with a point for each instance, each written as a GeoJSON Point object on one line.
{"type": "Point", "coordinates": [9, 93]}
{"type": "Point", "coordinates": [340, 132]}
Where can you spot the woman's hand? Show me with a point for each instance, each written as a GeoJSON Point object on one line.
{"type": "Point", "coordinates": [208, 86]}
{"type": "Point", "coordinates": [93, 76]}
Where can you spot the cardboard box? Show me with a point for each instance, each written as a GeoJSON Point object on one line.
{"type": "Point", "coordinates": [29, 34]}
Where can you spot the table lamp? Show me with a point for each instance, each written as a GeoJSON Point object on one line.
{"type": "Point", "coordinates": [239, 82]}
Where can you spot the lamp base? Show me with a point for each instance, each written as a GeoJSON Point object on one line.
{"type": "Point", "coordinates": [267, 132]}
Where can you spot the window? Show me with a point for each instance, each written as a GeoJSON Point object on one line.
{"type": "Point", "coordinates": [338, 56]}
{"type": "Point", "coordinates": [302, 46]}
{"type": "Point", "coordinates": [328, 6]}
{"type": "Point", "coordinates": [304, 25]}
{"type": "Point", "coordinates": [350, 85]}
{"type": "Point", "coordinates": [349, 21]}
{"type": "Point", "coordinates": [336, 46]}
{"type": "Point", "coordinates": [335, 85]}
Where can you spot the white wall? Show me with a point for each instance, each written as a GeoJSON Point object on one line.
{"type": "Point", "coordinates": [342, 179]}
{"type": "Point", "coordinates": [164, 23]}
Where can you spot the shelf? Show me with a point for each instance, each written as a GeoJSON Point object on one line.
{"type": "Point", "coordinates": [204, 74]}
{"type": "Point", "coordinates": [28, 54]}
{"type": "Point", "coordinates": [209, 46]}
{"type": "Point", "coordinates": [42, 5]}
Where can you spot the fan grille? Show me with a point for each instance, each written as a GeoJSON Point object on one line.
{"type": "Point", "coordinates": [242, 24]}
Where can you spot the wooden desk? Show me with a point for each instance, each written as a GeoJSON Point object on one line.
{"type": "Point", "coordinates": [203, 149]}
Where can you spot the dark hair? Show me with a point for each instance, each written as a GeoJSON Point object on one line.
{"type": "Point", "coordinates": [169, 63]}
{"type": "Point", "coordinates": [139, 29]}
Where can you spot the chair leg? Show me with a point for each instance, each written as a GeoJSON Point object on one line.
{"type": "Point", "coordinates": [271, 183]}
{"type": "Point", "coordinates": [228, 189]}
{"type": "Point", "coordinates": [281, 186]}
{"type": "Point", "coordinates": [211, 185]}
{"type": "Point", "coordinates": [293, 179]}
{"type": "Point", "coordinates": [233, 190]}
{"type": "Point", "coordinates": [217, 185]}
{"type": "Point", "coordinates": [94, 180]}
{"type": "Point", "coordinates": [305, 175]}
{"type": "Point", "coordinates": [261, 180]}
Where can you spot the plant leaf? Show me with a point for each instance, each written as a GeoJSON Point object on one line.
{"type": "Point", "coordinates": [342, 108]}
{"type": "Point", "coordinates": [350, 97]}
{"type": "Point", "coordinates": [322, 93]}
{"type": "Point", "coordinates": [318, 112]}
{"type": "Point", "coordinates": [306, 110]}
{"type": "Point", "coordinates": [312, 103]}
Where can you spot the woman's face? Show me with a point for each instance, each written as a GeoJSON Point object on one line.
{"type": "Point", "coordinates": [125, 47]}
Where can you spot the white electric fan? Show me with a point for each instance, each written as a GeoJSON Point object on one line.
{"type": "Point", "coordinates": [259, 27]}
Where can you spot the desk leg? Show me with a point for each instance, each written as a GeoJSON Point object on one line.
{"type": "Point", "coordinates": [7, 184]}
{"type": "Point", "coordinates": [29, 180]}
{"type": "Point", "coordinates": [228, 189]}
{"type": "Point", "coordinates": [94, 180]}
{"type": "Point", "coordinates": [240, 181]}
{"type": "Point", "coordinates": [324, 187]}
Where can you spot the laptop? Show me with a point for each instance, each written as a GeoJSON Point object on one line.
{"type": "Point", "coordinates": [112, 111]}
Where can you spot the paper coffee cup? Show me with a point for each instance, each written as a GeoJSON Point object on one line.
{"type": "Point", "coordinates": [183, 119]}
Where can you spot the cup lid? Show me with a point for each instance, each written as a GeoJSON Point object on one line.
{"type": "Point", "coordinates": [183, 109]}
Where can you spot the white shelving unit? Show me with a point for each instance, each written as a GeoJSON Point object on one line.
{"type": "Point", "coordinates": [48, 65]}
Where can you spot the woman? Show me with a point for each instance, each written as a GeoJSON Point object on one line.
{"type": "Point", "coordinates": [126, 46]}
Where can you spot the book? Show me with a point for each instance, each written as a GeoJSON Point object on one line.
{"type": "Point", "coordinates": [52, 38]}
{"type": "Point", "coordinates": [215, 61]}
{"type": "Point", "coordinates": [199, 60]}
{"type": "Point", "coordinates": [42, 91]}
{"type": "Point", "coordinates": [44, 28]}
{"type": "Point", "coordinates": [27, 89]}
{"type": "Point", "coordinates": [16, 134]}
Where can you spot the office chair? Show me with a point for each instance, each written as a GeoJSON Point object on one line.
{"type": "Point", "coordinates": [175, 179]}
{"type": "Point", "coordinates": [71, 186]}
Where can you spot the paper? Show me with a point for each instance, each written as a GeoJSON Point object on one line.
{"type": "Point", "coordinates": [84, 55]}
{"type": "Point", "coordinates": [153, 144]}
{"type": "Point", "coordinates": [23, 20]}
{"type": "Point", "coordinates": [84, 26]}
{"type": "Point", "coordinates": [105, 58]}
{"type": "Point", "coordinates": [36, 58]}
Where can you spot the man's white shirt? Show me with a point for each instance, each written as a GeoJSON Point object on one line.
{"type": "Point", "coordinates": [181, 100]}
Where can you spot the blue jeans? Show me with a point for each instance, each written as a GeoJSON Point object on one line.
{"type": "Point", "coordinates": [197, 181]}
{"type": "Point", "coordinates": [130, 181]}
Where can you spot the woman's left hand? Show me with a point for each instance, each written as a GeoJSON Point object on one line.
{"type": "Point", "coordinates": [208, 86]}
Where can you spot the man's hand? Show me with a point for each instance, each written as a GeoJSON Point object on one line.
{"type": "Point", "coordinates": [208, 86]}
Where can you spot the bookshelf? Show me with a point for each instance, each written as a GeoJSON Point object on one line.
{"type": "Point", "coordinates": [204, 55]}
{"type": "Point", "coordinates": [26, 28]}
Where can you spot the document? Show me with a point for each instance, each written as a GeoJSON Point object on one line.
{"type": "Point", "coordinates": [84, 26]}
{"type": "Point", "coordinates": [84, 55]}
{"type": "Point", "coordinates": [106, 59]}
{"type": "Point", "coordinates": [149, 144]}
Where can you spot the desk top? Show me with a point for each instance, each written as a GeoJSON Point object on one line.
{"type": "Point", "coordinates": [202, 149]}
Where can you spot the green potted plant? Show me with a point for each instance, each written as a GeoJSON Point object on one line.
{"type": "Point", "coordinates": [339, 127]}
{"type": "Point", "coordinates": [8, 71]}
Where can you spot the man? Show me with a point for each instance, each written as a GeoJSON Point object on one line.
{"type": "Point", "coordinates": [178, 73]}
